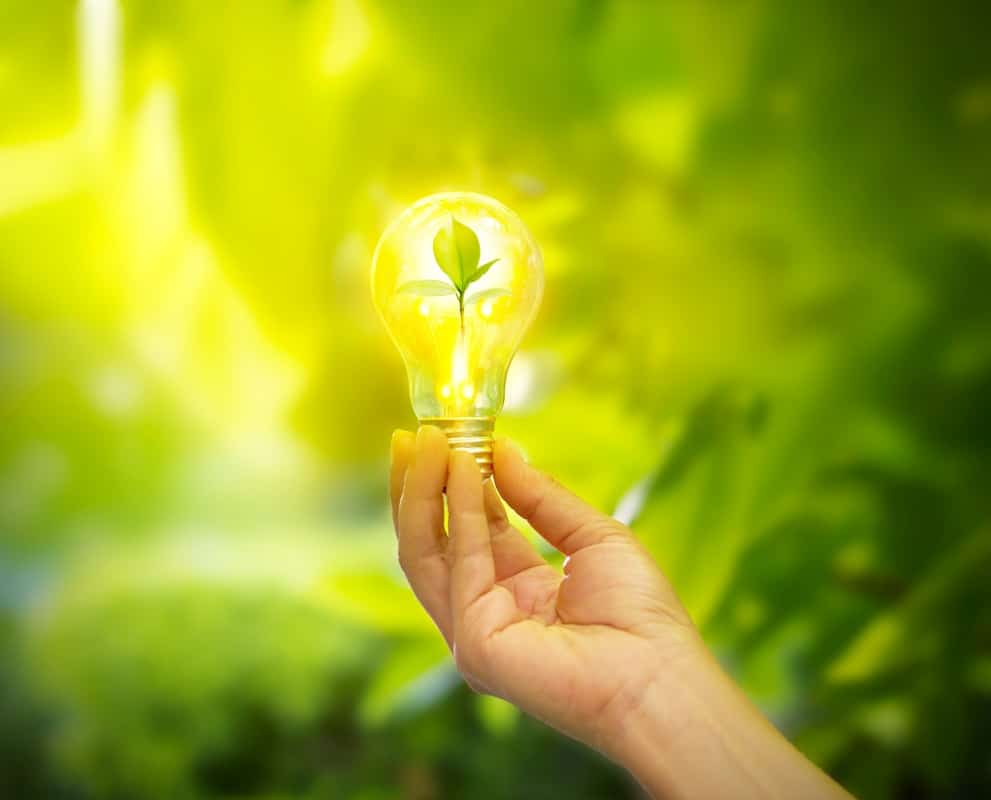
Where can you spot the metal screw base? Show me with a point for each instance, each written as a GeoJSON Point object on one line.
{"type": "Point", "coordinates": [470, 434]}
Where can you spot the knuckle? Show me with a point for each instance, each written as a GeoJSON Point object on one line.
{"type": "Point", "coordinates": [543, 492]}
{"type": "Point", "coordinates": [609, 528]}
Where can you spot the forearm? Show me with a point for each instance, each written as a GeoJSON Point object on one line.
{"type": "Point", "coordinates": [696, 735]}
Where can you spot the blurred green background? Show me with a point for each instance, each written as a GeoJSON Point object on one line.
{"type": "Point", "coordinates": [765, 341]}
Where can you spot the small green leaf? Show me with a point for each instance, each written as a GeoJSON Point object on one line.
{"type": "Point", "coordinates": [488, 294]}
{"type": "Point", "coordinates": [427, 289]}
{"type": "Point", "coordinates": [456, 251]}
{"type": "Point", "coordinates": [478, 273]}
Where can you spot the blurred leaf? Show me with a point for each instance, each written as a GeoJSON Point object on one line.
{"type": "Point", "coordinates": [896, 635]}
{"type": "Point", "coordinates": [427, 289]}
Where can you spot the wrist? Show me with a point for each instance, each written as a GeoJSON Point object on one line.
{"type": "Point", "coordinates": [663, 738]}
{"type": "Point", "coordinates": [658, 704]}
{"type": "Point", "coordinates": [695, 734]}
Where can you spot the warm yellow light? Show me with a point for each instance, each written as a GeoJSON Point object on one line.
{"type": "Point", "coordinates": [348, 40]}
{"type": "Point", "coordinates": [457, 279]}
{"type": "Point", "coordinates": [99, 69]}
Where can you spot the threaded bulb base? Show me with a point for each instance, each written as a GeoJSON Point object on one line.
{"type": "Point", "coordinates": [470, 434]}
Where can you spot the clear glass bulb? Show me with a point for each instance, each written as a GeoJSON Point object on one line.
{"type": "Point", "coordinates": [458, 279]}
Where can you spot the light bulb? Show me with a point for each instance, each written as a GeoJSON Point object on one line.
{"type": "Point", "coordinates": [457, 279]}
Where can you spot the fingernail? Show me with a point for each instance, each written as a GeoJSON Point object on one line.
{"type": "Point", "coordinates": [427, 431]}
{"type": "Point", "coordinates": [421, 436]}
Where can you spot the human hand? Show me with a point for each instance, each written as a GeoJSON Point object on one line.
{"type": "Point", "coordinates": [604, 652]}
{"type": "Point", "coordinates": [577, 650]}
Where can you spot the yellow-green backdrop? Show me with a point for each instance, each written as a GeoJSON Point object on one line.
{"type": "Point", "coordinates": [765, 341]}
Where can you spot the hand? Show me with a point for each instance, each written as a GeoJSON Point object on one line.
{"type": "Point", "coordinates": [576, 650]}
{"type": "Point", "coordinates": [604, 652]}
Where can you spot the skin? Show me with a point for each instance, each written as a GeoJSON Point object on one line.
{"type": "Point", "coordinates": [604, 652]}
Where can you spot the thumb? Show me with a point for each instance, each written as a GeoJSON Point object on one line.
{"type": "Point", "coordinates": [562, 518]}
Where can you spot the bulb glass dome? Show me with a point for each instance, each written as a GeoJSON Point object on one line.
{"type": "Point", "coordinates": [457, 279]}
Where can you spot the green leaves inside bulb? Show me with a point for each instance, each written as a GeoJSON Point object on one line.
{"type": "Point", "coordinates": [486, 294]}
{"type": "Point", "coordinates": [427, 288]}
{"type": "Point", "coordinates": [457, 252]}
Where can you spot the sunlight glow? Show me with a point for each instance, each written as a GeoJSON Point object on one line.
{"type": "Point", "coordinates": [459, 369]}
{"type": "Point", "coordinates": [348, 39]}
{"type": "Point", "coordinates": [34, 173]}
{"type": "Point", "coordinates": [154, 201]}
{"type": "Point", "coordinates": [99, 70]}
{"type": "Point", "coordinates": [202, 338]}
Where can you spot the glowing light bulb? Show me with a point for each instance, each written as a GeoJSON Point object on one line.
{"type": "Point", "coordinates": [458, 279]}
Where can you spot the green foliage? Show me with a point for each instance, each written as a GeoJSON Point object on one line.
{"type": "Point", "coordinates": [480, 270]}
{"type": "Point", "coordinates": [765, 342]}
{"type": "Point", "coordinates": [151, 705]}
{"type": "Point", "coordinates": [457, 251]}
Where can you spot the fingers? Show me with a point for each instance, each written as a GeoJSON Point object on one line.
{"type": "Point", "coordinates": [472, 565]}
{"type": "Point", "coordinates": [511, 551]}
{"type": "Point", "coordinates": [421, 506]}
{"type": "Point", "coordinates": [563, 519]}
{"type": "Point", "coordinates": [402, 446]}
{"type": "Point", "coordinates": [480, 608]}
{"type": "Point", "coordinates": [421, 526]}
